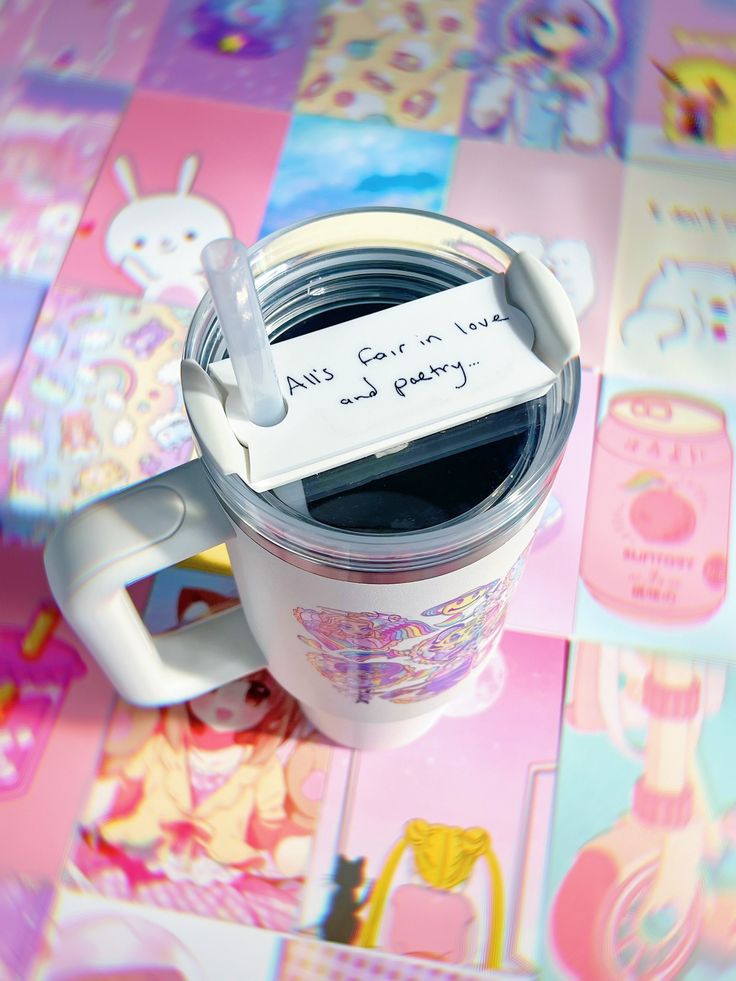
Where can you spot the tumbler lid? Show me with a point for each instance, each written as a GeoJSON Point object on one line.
{"type": "Point", "coordinates": [369, 387]}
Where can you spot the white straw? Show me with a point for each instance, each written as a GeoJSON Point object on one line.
{"type": "Point", "coordinates": [234, 294]}
{"type": "Point", "coordinates": [233, 290]}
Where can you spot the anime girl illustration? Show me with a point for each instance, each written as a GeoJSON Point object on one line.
{"type": "Point", "coordinates": [549, 89]}
{"type": "Point", "coordinates": [208, 806]}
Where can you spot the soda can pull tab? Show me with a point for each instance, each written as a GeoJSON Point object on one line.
{"type": "Point", "coordinates": [367, 386]}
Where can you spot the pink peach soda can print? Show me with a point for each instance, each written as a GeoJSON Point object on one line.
{"type": "Point", "coordinates": [657, 528]}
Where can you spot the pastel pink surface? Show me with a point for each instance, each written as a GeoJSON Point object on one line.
{"type": "Point", "coordinates": [466, 772]}
{"type": "Point", "coordinates": [157, 134]}
{"type": "Point", "coordinates": [697, 16]}
{"type": "Point", "coordinates": [61, 776]}
{"type": "Point", "coordinates": [96, 40]}
{"type": "Point", "coordinates": [508, 190]}
{"type": "Point", "coordinates": [544, 600]}
{"type": "Point", "coordinates": [18, 21]}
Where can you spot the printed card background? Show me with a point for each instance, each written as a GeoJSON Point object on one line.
{"type": "Point", "coordinates": [20, 301]}
{"type": "Point", "coordinates": [505, 726]}
{"type": "Point", "coordinates": [94, 40]}
{"type": "Point", "coordinates": [604, 750]}
{"type": "Point", "coordinates": [707, 634]}
{"type": "Point", "coordinates": [230, 172]}
{"type": "Point", "coordinates": [554, 209]}
{"type": "Point", "coordinates": [391, 62]}
{"type": "Point", "coordinates": [53, 135]}
{"type": "Point", "coordinates": [88, 934]}
{"type": "Point", "coordinates": [599, 136]}
{"type": "Point", "coordinates": [54, 702]}
{"type": "Point", "coordinates": [680, 115]}
{"type": "Point", "coordinates": [673, 314]}
{"type": "Point", "coordinates": [514, 97]}
{"type": "Point", "coordinates": [96, 406]}
{"type": "Point", "coordinates": [369, 165]}
{"type": "Point", "coordinates": [24, 905]}
{"type": "Point", "coordinates": [252, 53]}
{"type": "Point", "coordinates": [18, 23]}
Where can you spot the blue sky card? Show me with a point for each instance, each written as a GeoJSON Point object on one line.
{"type": "Point", "coordinates": [331, 164]}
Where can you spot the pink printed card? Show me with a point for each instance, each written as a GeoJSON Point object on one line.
{"type": "Point", "coordinates": [563, 210]}
{"type": "Point", "coordinates": [53, 704]}
{"type": "Point", "coordinates": [250, 53]}
{"type": "Point", "coordinates": [19, 21]}
{"type": "Point", "coordinates": [88, 936]}
{"type": "Point", "coordinates": [544, 601]}
{"type": "Point", "coordinates": [673, 315]}
{"type": "Point", "coordinates": [641, 872]}
{"type": "Point", "coordinates": [179, 173]}
{"type": "Point", "coordinates": [89, 39]}
{"type": "Point", "coordinates": [227, 789]}
{"type": "Point", "coordinates": [381, 883]}
{"type": "Point", "coordinates": [686, 94]}
{"type": "Point", "coordinates": [96, 406]}
{"type": "Point", "coordinates": [53, 135]}
{"type": "Point", "coordinates": [24, 906]}
{"type": "Point", "coordinates": [657, 566]}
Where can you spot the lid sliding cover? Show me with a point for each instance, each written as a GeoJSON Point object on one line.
{"type": "Point", "coordinates": [369, 387]}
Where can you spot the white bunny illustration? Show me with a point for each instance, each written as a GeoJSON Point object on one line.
{"type": "Point", "coordinates": [156, 239]}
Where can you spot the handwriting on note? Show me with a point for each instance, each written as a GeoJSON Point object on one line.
{"type": "Point", "coordinates": [399, 370]}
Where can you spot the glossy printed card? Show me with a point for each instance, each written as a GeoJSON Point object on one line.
{"type": "Point", "coordinates": [369, 165]}
{"type": "Point", "coordinates": [96, 406]}
{"type": "Point", "coordinates": [685, 110]}
{"type": "Point", "coordinates": [673, 315]}
{"type": "Point", "coordinates": [657, 565]}
{"type": "Point", "coordinates": [53, 135]}
{"type": "Point", "coordinates": [392, 62]}
{"type": "Point", "coordinates": [381, 877]}
{"type": "Point", "coordinates": [554, 209]}
{"type": "Point", "coordinates": [544, 599]}
{"type": "Point", "coordinates": [551, 76]}
{"type": "Point", "coordinates": [54, 702]}
{"type": "Point", "coordinates": [180, 172]}
{"type": "Point", "coordinates": [88, 936]}
{"type": "Point", "coordinates": [251, 53]}
{"type": "Point", "coordinates": [210, 807]}
{"type": "Point", "coordinates": [642, 873]}
{"type": "Point", "coordinates": [93, 40]}
{"type": "Point", "coordinates": [20, 300]}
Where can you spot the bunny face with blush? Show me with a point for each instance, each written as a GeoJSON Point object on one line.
{"type": "Point", "coordinates": [156, 239]}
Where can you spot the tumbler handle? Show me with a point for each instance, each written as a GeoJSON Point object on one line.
{"type": "Point", "coordinates": [95, 552]}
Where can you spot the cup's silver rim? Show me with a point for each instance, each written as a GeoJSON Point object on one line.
{"type": "Point", "coordinates": [309, 540]}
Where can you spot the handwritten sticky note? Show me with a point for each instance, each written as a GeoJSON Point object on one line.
{"type": "Point", "coordinates": [373, 384]}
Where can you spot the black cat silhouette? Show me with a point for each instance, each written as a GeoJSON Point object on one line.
{"type": "Point", "coordinates": [341, 922]}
